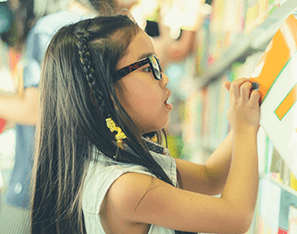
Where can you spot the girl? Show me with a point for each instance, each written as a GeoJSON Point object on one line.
{"type": "Point", "coordinates": [103, 95]}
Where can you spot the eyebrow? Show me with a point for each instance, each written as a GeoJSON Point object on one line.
{"type": "Point", "coordinates": [145, 56]}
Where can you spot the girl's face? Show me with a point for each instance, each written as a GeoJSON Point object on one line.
{"type": "Point", "coordinates": [142, 96]}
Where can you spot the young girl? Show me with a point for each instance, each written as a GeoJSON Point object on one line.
{"type": "Point", "coordinates": [103, 95]}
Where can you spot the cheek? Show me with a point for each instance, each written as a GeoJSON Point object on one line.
{"type": "Point", "coordinates": [146, 102]}
{"type": "Point", "coordinates": [140, 105]}
{"type": "Point", "coordinates": [140, 96]}
{"type": "Point", "coordinates": [145, 106]}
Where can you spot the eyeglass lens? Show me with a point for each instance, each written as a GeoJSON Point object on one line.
{"type": "Point", "coordinates": [156, 68]}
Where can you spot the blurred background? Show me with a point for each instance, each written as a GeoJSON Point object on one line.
{"type": "Point", "coordinates": [201, 44]}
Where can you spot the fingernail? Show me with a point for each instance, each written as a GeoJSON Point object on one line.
{"type": "Point", "coordinates": [255, 86]}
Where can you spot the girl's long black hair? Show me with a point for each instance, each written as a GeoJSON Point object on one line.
{"type": "Point", "coordinates": [77, 72]}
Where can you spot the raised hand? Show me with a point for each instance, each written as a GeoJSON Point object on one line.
{"type": "Point", "coordinates": [244, 110]}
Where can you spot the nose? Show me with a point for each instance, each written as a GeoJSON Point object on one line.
{"type": "Point", "coordinates": [165, 79]}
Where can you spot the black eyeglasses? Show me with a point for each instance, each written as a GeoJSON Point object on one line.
{"type": "Point", "coordinates": [154, 65]}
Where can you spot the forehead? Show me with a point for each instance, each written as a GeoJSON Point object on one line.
{"type": "Point", "coordinates": [140, 47]}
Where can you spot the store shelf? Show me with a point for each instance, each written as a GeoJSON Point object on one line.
{"type": "Point", "coordinates": [262, 35]}
{"type": "Point", "coordinates": [282, 186]}
{"type": "Point", "coordinates": [234, 53]}
{"type": "Point", "coordinates": [245, 45]}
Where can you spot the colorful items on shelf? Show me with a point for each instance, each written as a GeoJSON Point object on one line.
{"type": "Point", "coordinates": [229, 21]}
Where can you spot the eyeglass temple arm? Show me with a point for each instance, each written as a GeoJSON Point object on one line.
{"type": "Point", "coordinates": [130, 68]}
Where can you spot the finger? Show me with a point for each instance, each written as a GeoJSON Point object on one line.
{"type": "Point", "coordinates": [255, 97]}
{"type": "Point", "coordinates": [242, 80]}
{"type": "Point", "coordinates": [227, 85]}
{"type": "Point", "coordinates": [245, 90]}
{"type": "Point", "coordinates": [235, 86]}
{"type": "Point", "coordinates": [234, 90]}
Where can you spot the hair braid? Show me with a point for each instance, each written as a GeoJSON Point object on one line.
{"type": "Point", "coordinates": [85, 59]}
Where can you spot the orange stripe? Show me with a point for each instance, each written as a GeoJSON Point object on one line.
{"type": "Point", "coordinates": [276, 56]}
{"type": "Point", "coordinates": [287, 103]}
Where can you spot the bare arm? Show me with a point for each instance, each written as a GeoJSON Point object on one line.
{"type": "Point", "coordinates": [21, 109]}
{"type": "Point", "coordinates": [209, 178]}
{"type": "Point", "coordinates": [243, 116]}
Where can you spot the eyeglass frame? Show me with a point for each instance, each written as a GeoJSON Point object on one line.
{"type": "Point", "coordinates": [134, 66]}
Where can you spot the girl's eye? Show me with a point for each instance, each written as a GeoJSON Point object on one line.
{"type": "Point", "coordinates": [148, 69]}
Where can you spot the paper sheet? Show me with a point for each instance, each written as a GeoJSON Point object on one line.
{"type": "Point", "coordinates": [276, 73]}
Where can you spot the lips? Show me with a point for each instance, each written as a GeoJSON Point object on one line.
{"type": "Point", "coordinates": [168, 96]}
{"type": "Point", "coordinates": [168, 105]}
{"type": "Point", "coordinates": [166, 101]}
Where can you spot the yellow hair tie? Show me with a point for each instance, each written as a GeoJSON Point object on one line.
{"type": "Point", "coordinates": [120, 135]}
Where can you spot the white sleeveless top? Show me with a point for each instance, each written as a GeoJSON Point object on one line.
{"type": "Point", "coordinates": [102, 173]}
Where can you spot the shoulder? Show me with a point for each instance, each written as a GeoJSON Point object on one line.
{"type": "Point", "coordinates": [105, 173]}
{"type": "Point", "coordinates": [124, 199]}
{"type": "Point", "coordinates": [131, 186]}
{"type": "Point", "coordinates": [127, 192]}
